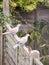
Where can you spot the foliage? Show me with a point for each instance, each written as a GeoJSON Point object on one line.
{"type": "Point", "coordinates": [21, 33]}
{"type": "Point", "coordinates": [45, 59]}
{"type": "Point", "coordinates": [43, 43]}
{"type": "Point", "coordinates": [41, 0]}
{"type": "Point", "coordinates": [39, 25]}
{"type": "Point", "coordinates": [1, 17]}
{"type": "Point", "coordinates": [47, 3]}
{"type": "Point", "coordinates": [1, 6]}
{"type": "Point", "coordinates": [13, 4]}
{"type": "Point", "coordinates": [36, 35]}
{"type": "Point", "coordinates": [26, 5]}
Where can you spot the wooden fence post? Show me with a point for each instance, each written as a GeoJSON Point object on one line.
{"type": "Point", "coordinates": [1, 48]}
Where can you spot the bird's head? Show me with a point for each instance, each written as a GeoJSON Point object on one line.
{"type": "Point", "coordinates": [27, 35]}
{"type": "Point", "coordinates": [19, 25]}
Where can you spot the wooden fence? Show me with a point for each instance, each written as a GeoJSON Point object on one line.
{"type": "Point", "coordinates": [20, 55]}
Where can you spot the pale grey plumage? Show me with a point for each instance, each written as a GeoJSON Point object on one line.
{"type": "Point", "coordinates": [12, 30]}
{"type": "Point", "coordinates": [21, 41]}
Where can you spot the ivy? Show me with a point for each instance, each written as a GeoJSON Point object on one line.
{"type": "Point", "coordinates": [26, 5]}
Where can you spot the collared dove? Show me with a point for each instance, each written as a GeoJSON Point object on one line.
{"type": "Point", "coordinates": [21, 41]}
{"type": "Point", "coordinates": [12, 30]}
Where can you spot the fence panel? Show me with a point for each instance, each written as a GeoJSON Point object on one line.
{"type": "Point", "coordinates": [20, 55]}
{"type": "Point", "coordinates": [10, 53]}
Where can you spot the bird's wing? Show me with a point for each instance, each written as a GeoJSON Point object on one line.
{"type": "Point", "coordinates": [15, 30]}
{"type": "Point", "coordinates": [23, 40]}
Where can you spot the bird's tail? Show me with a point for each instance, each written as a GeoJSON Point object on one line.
{"type": "Point", "coordinates": [6, 33]}
{"type": "Point", "coordinates": [16, 37]}
{"type": "Point", "coordinates": [8, 26]}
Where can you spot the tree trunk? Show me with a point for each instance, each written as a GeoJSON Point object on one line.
{"type": "Point", "coordinates": [6, 7]}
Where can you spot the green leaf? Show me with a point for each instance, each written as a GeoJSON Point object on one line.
{"type": "Point", "coordinates": [21, 33]}
{"type": "Point", "coordinates": [42, 24]}
{"type": "Point", "coordinates": [36, 35]}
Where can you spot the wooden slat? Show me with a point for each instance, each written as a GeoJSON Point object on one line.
{"type": "Point", "coordinates": [6, 61]}
{"type": "Point", "coordinates": [1, 45]}
{"type": "Point", "coordinates": [12, 54]}
{"type": "Point", "coordinates": [8, 45]}
{"type": "Point", "coordinates": [10, 60]}
{"type": "Point", "coordinates": [24, 58]}
{"type": "Point", "coordinates": [10, 40]}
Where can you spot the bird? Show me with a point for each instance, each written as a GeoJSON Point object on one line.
{"type": "Point", "coordinates": [21, 41]}
{"type": "Point", "coordinates": [36, 52]}
{"type": "Point", "coordinates": [36, 56]}
{"type": "Point", "coordinates": [12, 30]}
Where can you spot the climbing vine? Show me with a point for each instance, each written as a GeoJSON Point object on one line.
{"type": "Point", "coordinates": [26, 5]}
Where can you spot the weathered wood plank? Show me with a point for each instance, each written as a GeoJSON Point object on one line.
{"type": "Point", "coordinates": [11, 54]}
{"type": "Point", "coordinates": [10, 50]}
{"type": "Point", "coordinates": [24, 57]}
{"type": "Point", "coordinates": [6, 61]}
{"type": "Point", "coordinates": [1, 45]}
{"type": "Point", "coordinates": [8, 45]}
{"type": "Point", "coordinates": [10, 40]}
{"type": "Point", "coordinates": [10, 60]}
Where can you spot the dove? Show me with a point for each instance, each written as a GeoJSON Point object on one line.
{"type": "Point", "coordinates": [36, 56]}
{"type": "Point", "coordinates": [12, 30]}
{"type": "Point", "coordinates": [21, 41]}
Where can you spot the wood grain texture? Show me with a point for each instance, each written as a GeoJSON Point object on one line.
{"type": "Point", "coordinates": [11, 53]}
{"type": "Point", "coordinates": [18, 56]}
{"type": "Point", "coordinates": [15, 56]}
